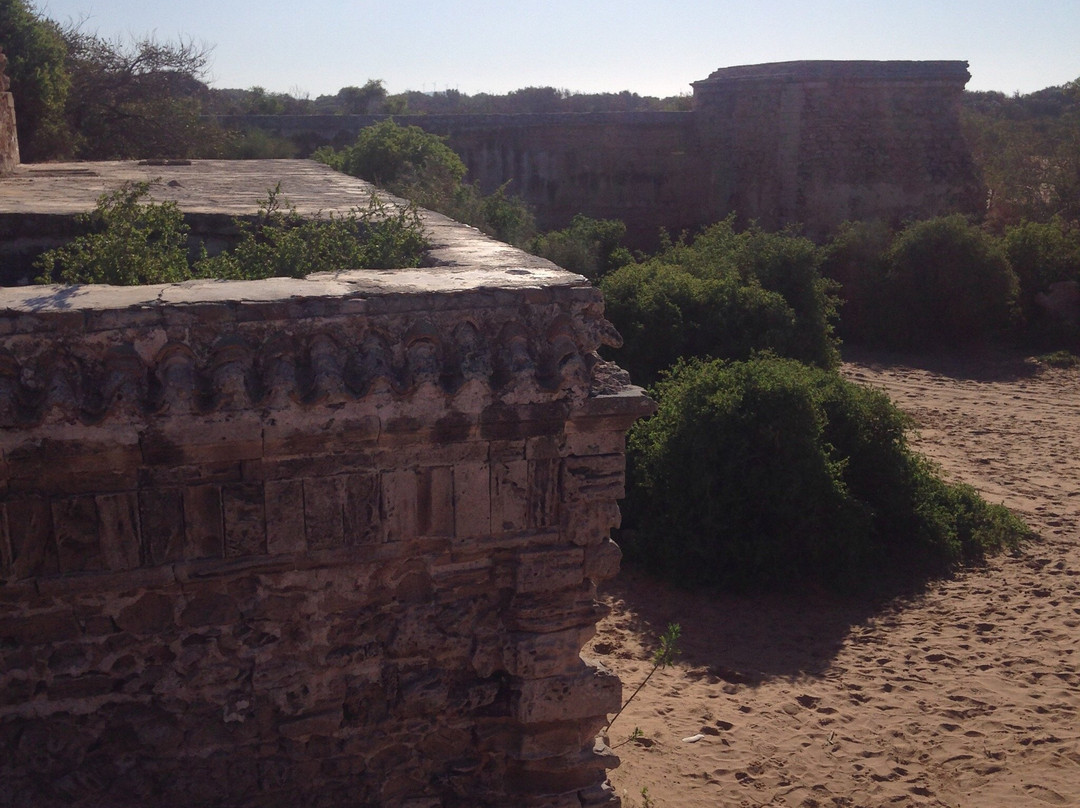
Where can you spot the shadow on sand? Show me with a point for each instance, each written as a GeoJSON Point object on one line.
{"type": "Point", "coordinates": [745, 639]}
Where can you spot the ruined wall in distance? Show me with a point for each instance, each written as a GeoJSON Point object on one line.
{"type": "Point", "coordinates": [814, 143]}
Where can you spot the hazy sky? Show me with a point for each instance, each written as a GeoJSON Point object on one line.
{"type": "Point", "coordinates": [646, 46]}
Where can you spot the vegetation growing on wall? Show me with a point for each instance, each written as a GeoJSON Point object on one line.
{"type": "Point", "coordinates": [133, 240]}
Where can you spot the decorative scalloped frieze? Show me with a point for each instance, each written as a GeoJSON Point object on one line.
{"type": "Point", "coordinates": [543, 351]}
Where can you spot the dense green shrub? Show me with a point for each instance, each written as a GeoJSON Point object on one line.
{"type": "Point", "coordinates": [948, 284]}
{"type": "Point", "coordinates": [132, 241]}
{"type": "Point", "coordinates": [855, 259]}
{"type": "Point", "coordinates": [725, 295]}
{"type": "Point", "coordinates": [590, 247]}
{"type": "Point", "coordinates": [419, 166]}
{"type": "Point", "coordinates": [1042, 253]}
{"type": "Point", "coordinates": [770, 472]}
{"type": "Point", "coordinates": [403, 159]}
{"type": "Point", "coordinates": [282, 243]}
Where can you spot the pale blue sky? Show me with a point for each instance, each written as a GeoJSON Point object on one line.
{"type": "Point", "coordinates": [651, 47]}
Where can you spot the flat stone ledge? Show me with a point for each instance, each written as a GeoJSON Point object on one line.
{"type": "Point", "coordinates": [460, 259]}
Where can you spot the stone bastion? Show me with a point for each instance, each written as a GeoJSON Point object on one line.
{"type": "Point", "coordinates": [320, 542]}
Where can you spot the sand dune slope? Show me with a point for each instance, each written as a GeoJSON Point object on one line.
{"type": "Point", "coordinates": [965, 695]}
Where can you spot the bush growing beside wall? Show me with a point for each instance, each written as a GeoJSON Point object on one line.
{"type": "Point", "coordinates": [1041, 254]}
{"type": "Point", "coordinates": [419, 166]}
{"type": "Point", "coordinates": [725, 295]}
{"type": "Point", "coordinates": [768, 473]}
{"type": "Point", "coordinates": [589, 247]}
{"type": "Point", "coordinates": [941, 283]}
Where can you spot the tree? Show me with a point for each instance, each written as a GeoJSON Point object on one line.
{"type": "Point", "coordinates": [362, 100]}
{"type": "Point", "coordinates": [40, 81]}
{"type": "Point", "coordinates": [137, 99]}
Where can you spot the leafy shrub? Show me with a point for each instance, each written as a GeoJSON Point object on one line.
{"type": "Point", "coordinates": [282, 243]}
{"type": "Point", "coordinates": [947, 284]}
{"type": "Point", "coordinates": [136, 242]}
{"type": "Point", "coordinates": [403, 159]}
{"type": "Point", "coordinates": [1042, 253]}
{"type": "Point", "coordinates": [855, 259]}
{"type": "Point", "coordinates": [419, 166]}
{"type": "Point", "coordinates": [130, 243]}
{"type": "Point", "coordinates": [590, 247]}
{"type": "Point", "coordinates": [770, 472]}
{"type": "Point", "coordinates": [725, 295]}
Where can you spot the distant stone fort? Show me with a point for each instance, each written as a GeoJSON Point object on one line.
{"type": "Point", "coordinates": [811, 143]}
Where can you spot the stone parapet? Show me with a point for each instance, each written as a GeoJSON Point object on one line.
{"type": "Point", "coordinates": [330, 541]}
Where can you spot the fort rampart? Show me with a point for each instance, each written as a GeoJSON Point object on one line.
{"type": "Point", "coordinates": [318, 542]}
{"type": "Point", "coordinates": [807, 143]}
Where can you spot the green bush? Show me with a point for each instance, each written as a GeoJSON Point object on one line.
{"type": "Point", "coordinates": [767, 473]}
{"type": "Point", "coordinates": [282, 243]}
{"type": "Point", "coordinates": [405, 160]}
{"type": "Point", "coordinates": [948, 284]}
{"type": "Point", "coordinates": [1042, 253]}
{"type": "Point", "coordinates": [132, 242]}
{"type": "Point", "coordinates": [419, 166]}
{"type": "Point", "coordinates": [855, 259]}
{"type": "Point", "coordinates": [590, 247]}
{"type": "Point", "coordinates": [725, 295]}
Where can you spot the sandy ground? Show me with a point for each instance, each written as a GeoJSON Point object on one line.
{"type": "Point", "coordinates": [966, 694]}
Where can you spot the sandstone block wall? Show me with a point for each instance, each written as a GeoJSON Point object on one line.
{"type": "Point", "coordinates": [324, 542]}
{"type": "Point", "coordinates": [9, 141]}
{"type": "Point", "coordinates": [811, 143]}
{"type": "Point", "coordinates": [819, 143]}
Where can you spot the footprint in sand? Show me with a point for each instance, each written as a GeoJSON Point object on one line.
{"type": "Point", "coordinates": [1046, 795]}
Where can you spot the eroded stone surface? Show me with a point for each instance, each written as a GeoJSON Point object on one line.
{"type": "Point", "coordinates": [310, 542]}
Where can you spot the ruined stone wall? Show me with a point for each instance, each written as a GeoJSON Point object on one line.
{"type": "Point", "coordinates": [813, 143]}
{"type": "Point", "coordinates": [644, 168]}
{"type": "Point", "coordinates": [317, 542]}
{"type": "Point", "coordinates": [9, 141]}
{"type": "Point", "coordinates": [819, 143]}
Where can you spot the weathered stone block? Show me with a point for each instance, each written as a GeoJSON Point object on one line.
{"type": "Point", "coordinates": [362, 518]}
{"type": "Point", "coordinates": [324, 500]}
{"type": "Point", "coordinates": [602, 560]}
{"type": "Point", "coordinates": [75, 522]}
{"type": "Point", "coordinates": [244, 509]}
{"type": "Point", "coordinates": [118, 530]}
{"type": "Point", "coordinates": [472, 500]}
{"type": "Point", "coordinates": [33, 546]}
{"type": "Point", "coordinates": [399, 503]}
{"type": "Point", "coordinates": [509, 496]}
{"type": "Point", "coordinates": [285, 532]}
{"type": "Point", "coordinates": [549, 570]}
{"type": "Point", "coordinates": [204, 522]}
{"type": "Point", "coordinates": [593, 692]}
{"type": "Point", "coordinates": [161, 521]}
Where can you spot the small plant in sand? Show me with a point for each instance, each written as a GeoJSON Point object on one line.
{"type": "Point", "coordinates": [662, 657]}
